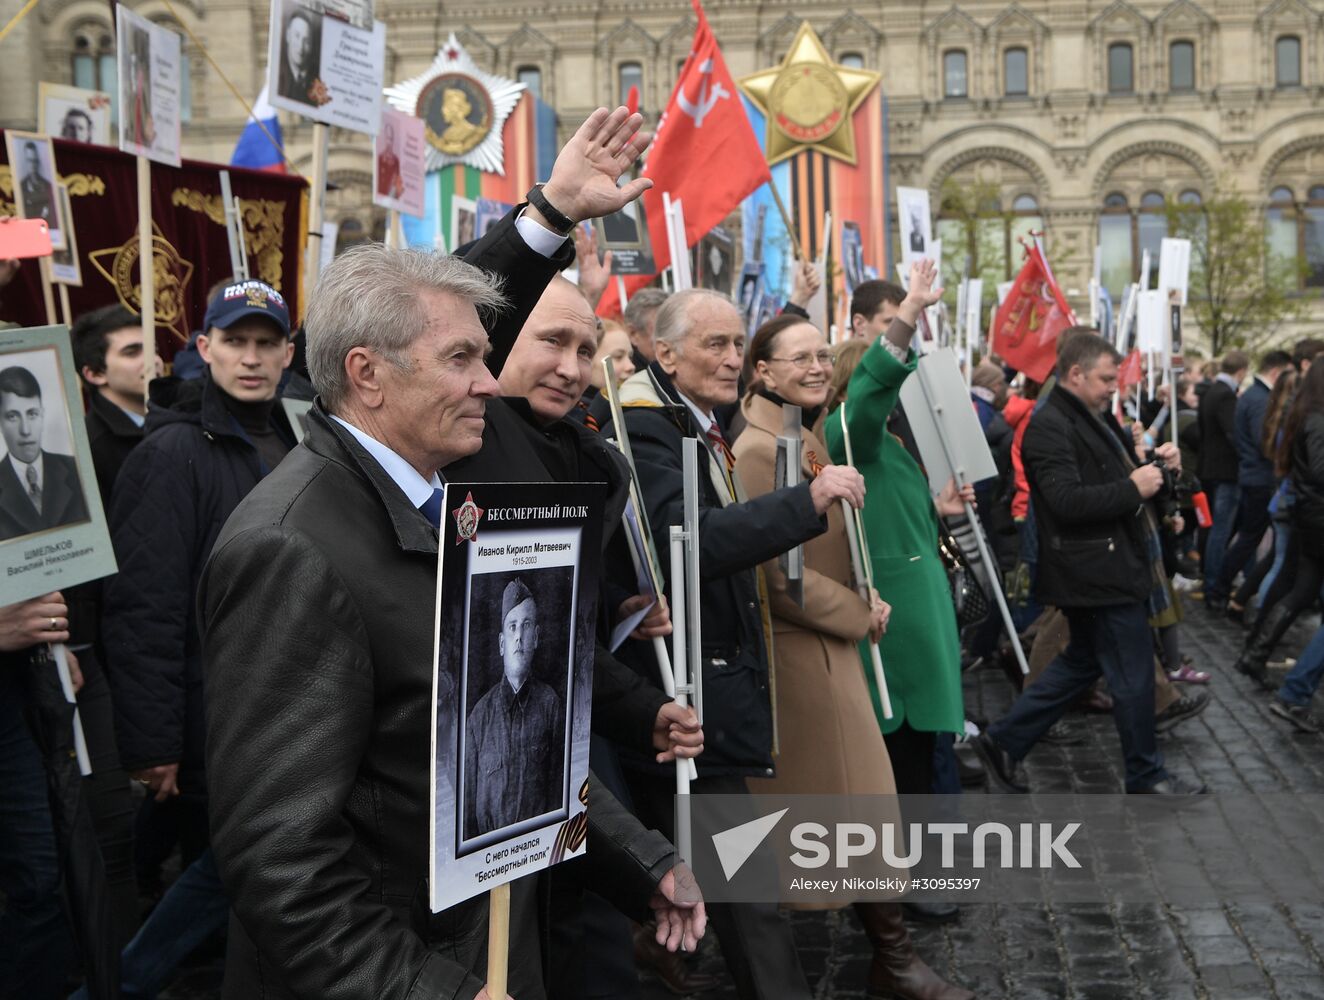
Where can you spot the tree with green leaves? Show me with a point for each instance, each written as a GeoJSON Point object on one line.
{"type": "Point", "coordinates": [1241, 294]}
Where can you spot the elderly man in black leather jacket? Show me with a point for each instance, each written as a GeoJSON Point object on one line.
{"type": "Point", "coordinates": [1099, 562]}
{"type": "Point", "coordinates": [317, 611]}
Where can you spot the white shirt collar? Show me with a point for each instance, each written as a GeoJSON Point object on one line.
{"type": "Point", "coordinates": [705, 421]}
{"type": "Point", "coordinates": [404, 475]}
{"type": "Point", "coordinates": [21, 470]}
{"type": "Point", "coordinates": [1228, 381]}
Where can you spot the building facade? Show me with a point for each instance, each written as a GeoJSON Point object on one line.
{"type": "Point", "coordinates": [1082, 116]}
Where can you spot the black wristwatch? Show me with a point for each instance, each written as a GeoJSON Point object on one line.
{"type": "Point", "coordinates": [561, 222]}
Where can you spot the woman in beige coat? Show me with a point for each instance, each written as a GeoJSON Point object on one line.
{"type": "Point", "coordinates": [829, 740]}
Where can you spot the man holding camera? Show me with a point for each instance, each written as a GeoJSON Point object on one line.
{"type": "Point", "coordinates": [1099, 561]}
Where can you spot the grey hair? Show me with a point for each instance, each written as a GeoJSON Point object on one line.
{"type": "Point", "coordinates": [369, 297]}
{"type": "Point", "coordinates": [642, 302]}
{"type": "Point", "coordinates": [673, 318]}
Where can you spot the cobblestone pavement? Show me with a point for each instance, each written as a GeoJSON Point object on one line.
{"type": "Point", "coordinates": [1082, 952]}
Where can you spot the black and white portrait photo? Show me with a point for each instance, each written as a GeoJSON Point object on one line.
{"type": "Point", "coordinates": [73, 113]}
{"type": "Point", "coordinates": [715, 258]}
{"type": "Point", "coordinates": [912, 205]}
{"type": "Point", "coordinates": [515, 693]}
{"type": "Point", "coordinates": [300, 55]}
{"type": "Point", "coordinates": [39, 484]}
{"type": "Point", "coordinates": [66, 269]}
{"type": "Point", "coordinates": [625, 234]}
{"type": "Point", "coordinates": [33, 163]}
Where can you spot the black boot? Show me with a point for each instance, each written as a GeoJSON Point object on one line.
{"type": "Point", "coordinates": [1268, 630]}
{"type": "Point", "coordinates": [896, 970]}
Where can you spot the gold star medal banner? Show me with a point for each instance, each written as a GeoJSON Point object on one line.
{"type": "Point", "coordinates": [190, 251]}
{"type": "Point", "coordinates": [809, 101]}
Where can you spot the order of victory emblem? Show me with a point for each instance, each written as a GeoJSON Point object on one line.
{"type": "Point", "coordinates": [463, 108]}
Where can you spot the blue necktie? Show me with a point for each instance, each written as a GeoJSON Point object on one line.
{"type": "Point", "coordinates": [431, 508]}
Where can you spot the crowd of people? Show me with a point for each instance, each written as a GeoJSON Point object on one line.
{"type": "Point", "coordinates": [256, 680]}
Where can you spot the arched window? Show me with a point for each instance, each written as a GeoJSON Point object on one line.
{"type": "Point", "coordinates": [1151, 227]}
{"type": "Point", "coordinates": [1312, 236]}
{"type": "Point", "coordinates": [1115, 247]}
{"type": "Point", "coordinates": [1121, 80]}
{"type": "Point", "coordinates": [629, 74]}
{"type": "Point", "coordinates": [531, 77]}
{"type": "Point", "coordinates": [1281, 231]}
{"type": "Point", "coordinates": [94, 62]}
{"type": "Point", "coordinates": [1190, 197]}
{"type": "Point", "coordinates": [954, 79]}
{"type": "Point", "coordinates": [1181, 66]}
{"type": "Point", "coordinates": [991, 238]}
{"type": "Point", "coordinates": [1287, 61]}
{"type": "Point", "coordinates": [1015, 72]}
{"type": "Point", "coordinates": [852, 60]}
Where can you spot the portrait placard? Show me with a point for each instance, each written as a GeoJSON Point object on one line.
{"type": "Point", "coordinates": [325, 68]}
{"type": "Point", "coordinates": [490, 212]}
{"type": "Point", "coordinates": [517, 590]}
{"type": "Point", "coordinates": [464, 222]}
{"type": "Point", "coordinates": [33, 162]}
{"type": "Point", "coordinates": [296, 412]}
{"type": "Point", "coordinates": [852, 256]}
{"type": "Point", "coordinates": [149, 71]}
{"type": "Point", "coordinates": [913, 216]}
{"type": "Point", "coordinates": [65, 266]}
{"type": "Point", "coordinates": [625, 234]}
{"type": "Point", "coordinates": [400, 164]}
{"type": "Point", "coordinates": [714, 260]}
{"type": "Point", "coordinates": [749, 297]}
{"type": "Point", "coordinates": [73, 113]}
{"type": "Point", "coordinates": [53, 532]}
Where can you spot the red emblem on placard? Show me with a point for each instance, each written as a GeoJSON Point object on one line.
{"type": "Point", "coordinates": [467, 516]}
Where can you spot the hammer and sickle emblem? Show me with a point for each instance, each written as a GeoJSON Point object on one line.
{"type": "Point", "coordinates": [709, 94]}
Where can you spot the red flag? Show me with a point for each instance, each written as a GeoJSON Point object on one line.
{"type": "Point", "coordinates": [705, 153]}
{"type": "Point", "coordinates": [1130, 373]}
{"type": "Point", "coordinates": [1028, 323]}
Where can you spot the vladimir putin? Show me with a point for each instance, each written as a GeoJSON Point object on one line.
{"type": "Point", "coordinates": [515, 740]}
{"type": "Point", "coordinates": [38, 489]}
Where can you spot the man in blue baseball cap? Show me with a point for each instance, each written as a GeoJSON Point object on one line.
{"type": "Point", "coordinates": [206, 443]}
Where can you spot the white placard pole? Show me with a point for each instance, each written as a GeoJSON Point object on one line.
{"type": "Point", "coordinates": [862, 565]}
{"type": "Point", "coordinates": [317, 196]}
{"type": "Point", "coordinates": [146, 270]}
{"type": "Point", "coordinates": [60, 654]}
{"type": "Point", "coordinates": [680, 660]}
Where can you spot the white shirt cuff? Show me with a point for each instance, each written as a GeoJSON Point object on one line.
{"type": "Point", "coordinates": [539, 238]}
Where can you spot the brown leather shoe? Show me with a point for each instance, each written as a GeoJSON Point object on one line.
{"type": "Point", "coordinates": [897, 972]}
{"type": "Point", "coordinates": [671, 967]}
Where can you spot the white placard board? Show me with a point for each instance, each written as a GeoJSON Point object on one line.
{"type": "Point", "coordinates": [1174, 269]}
{"type": "Point", "coordinates": [916, 224]}
{"type": "Point", "coordinates": [149, 71]}
{"type": "Point", "coordinates": [400, 163]}
{"type": "Point", "coordinates": [324, 68]}
{"type": "Point", "coordinates": [1151, 322]}
{"type": "Point", "coordinates": [944, 423]}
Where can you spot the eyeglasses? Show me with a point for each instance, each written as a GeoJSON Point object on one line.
{"type": "Point", "coordinates": [806, 361]}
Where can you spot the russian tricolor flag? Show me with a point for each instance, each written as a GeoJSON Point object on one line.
{"type": "Point", "coordinates": [255, 148]}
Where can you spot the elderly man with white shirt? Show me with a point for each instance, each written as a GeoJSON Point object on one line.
{"type": "Point", "coordinates": [317, 616]}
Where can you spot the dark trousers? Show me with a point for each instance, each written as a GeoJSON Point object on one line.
{"type": "Point", "coordinates": [756, 939]}
{"type": "Point", "coordinates": [108, 797]}
{"type": "Point", "coordinates": [1252, 523]}
{"type": "Point", "coordinates": [1116, 642]}
{"type": "Point", "coordinates": [35, 946]}
{"type": "Point", "coordinates": [591, 955]}
{"type": "Point", "coordinates": [911, 752]}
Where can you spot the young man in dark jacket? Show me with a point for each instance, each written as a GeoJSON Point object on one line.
{"type": "Point", "coordinates": [1098, 549]}
{"type": "Point", "coordinates": [1256, 481]}
{"type": "Point", "coordinates": [1218, 467]}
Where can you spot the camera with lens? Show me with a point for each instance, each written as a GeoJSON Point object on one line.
{"type": "Point", "coordinates": [1175, 492]}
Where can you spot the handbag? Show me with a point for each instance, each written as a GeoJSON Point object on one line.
{"type": "Point", "coordinates": [968, 597]}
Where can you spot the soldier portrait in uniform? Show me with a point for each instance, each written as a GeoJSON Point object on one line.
{"type": "Point", "coordinates": [34, 181]}
{"type": "Point", "coordinates": [515, 731]}
{"type": "Point", "coordinates": [300, 56]}
{"type": "Point", "coordinates": [39, 484]}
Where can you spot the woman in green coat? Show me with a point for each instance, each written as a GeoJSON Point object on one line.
{"type": "Point", "coordinates": [921, 651]}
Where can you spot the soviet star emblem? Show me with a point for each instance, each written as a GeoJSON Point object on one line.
{"type": "Point", "coordinates": [809, 100]}
{"type": "Point", "coordinates": [171, 275]}
{"type": "Point", "coordinates": [467, 516]}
